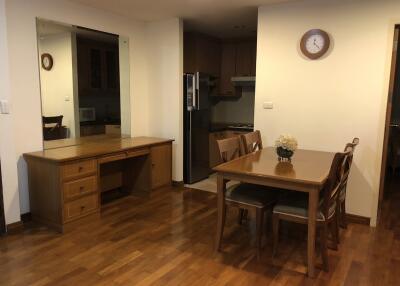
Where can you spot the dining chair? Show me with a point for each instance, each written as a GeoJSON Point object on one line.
{"type": "Point", "coordinates": [295, 208]}
{"type": "Point", "coordinates": [246, 196]}
{"type": "Point", "coordinates": [252, 141]}
{"type": "Point", "coordinates": [342, 221]}
{"type": "Point", "coordinates": [55, 130]}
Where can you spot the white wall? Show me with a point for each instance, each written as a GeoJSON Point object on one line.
{"type": "Point", "coordinates": [123, 46]}
{"type": "Point", "coordinates": [24, 75]}
{"type": "Point", "coordinates": [57, 85]}
{"type": "Point", "coordinates": [7, 150]}
{"type": "Point", "coordinates": [327, 102]}
{"type": "Point", "coordinates": [165, 86]}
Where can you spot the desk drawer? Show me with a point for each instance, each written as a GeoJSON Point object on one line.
{"type": "Point", "coordinates": [77, 188]}
{"type": "Point", "coordinates": [81, 168]}
{"type": "Point", "coordinates": [112, 158]}
{"type": "Point", "coordinates": [81, 207]}
{"type": "Point", "coordinates": [137, 153]}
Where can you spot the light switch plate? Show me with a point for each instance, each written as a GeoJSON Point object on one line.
{"type": "Point", "coordinates": [4, 107]}
{"type": "Point", "coordinates": [268, 105]}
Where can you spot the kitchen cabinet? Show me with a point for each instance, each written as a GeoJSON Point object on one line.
{"type": "Point", "coordinates": [228, 69]}
{"type": "Point", "coordinates": [98, 68]}
{"type": "Point", "coordinates": [161, 162]}
{"type": "Point", "coordinates": [88, 130]}
{"type": "Point", "coordinates": [245, 59]}
{"type": "Point", "coordinates": [238, 58]}
{"type": "Point", "coordinates": [202, 54]}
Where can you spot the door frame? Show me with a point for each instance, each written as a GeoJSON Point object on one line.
{"type": "Point", "coordinates": [389, 106]}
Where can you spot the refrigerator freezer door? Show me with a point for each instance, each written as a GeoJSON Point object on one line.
{"type": "Point", "coordinates": [198, 146]}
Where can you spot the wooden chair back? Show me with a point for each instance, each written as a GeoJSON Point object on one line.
{"type": "Point", "coordinates": [333, 184]}
{"type": "Point", "coordinates": [252, 141]}
{"type": "Point", "coordinates": [350, 147]}
{"type": "Point", "coordinates": [52, 127]}
{"type": "Point", "coordinates": [229, 149]}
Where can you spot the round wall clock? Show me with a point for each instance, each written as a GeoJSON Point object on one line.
{"type": "Point", "coordinates": [47, 61]}
{"type": "Point", "coordinates": [315, 43]}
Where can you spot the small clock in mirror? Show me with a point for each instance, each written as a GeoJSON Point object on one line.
{"type": "Point", "coordinates": [47, 61]}
{"type": "Point", "coordinates": [315, 43]}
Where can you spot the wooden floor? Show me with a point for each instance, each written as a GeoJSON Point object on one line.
{"type": "Point", "coordinates": [168, 239]}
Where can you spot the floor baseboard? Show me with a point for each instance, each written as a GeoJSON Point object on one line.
{"type": "Point", "coordinates": [358, 219]}
{"type": "Point", "coordinates": [177, 183]}
{"type": "Point", "coordinates": [15, 227]}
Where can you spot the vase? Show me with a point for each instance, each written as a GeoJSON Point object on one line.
{"type": "Point", "coordinates": [284, 154]}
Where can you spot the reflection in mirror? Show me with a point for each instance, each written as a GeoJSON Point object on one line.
{"type": "Point", "coordinates": [84, 81]}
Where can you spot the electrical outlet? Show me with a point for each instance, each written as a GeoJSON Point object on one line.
{"type": "Point", "coordinates": [268, 105]}
{"type": "Point", "coordinates": [4, 107]}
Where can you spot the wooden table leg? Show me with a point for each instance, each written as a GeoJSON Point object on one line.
{"type": "Point", "coordinates": [221, 186]}
{"type": "Point", "coordinates": [312, 224]}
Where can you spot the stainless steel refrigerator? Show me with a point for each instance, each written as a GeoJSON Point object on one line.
{"type": "Point", "coordinates": [197, 90]}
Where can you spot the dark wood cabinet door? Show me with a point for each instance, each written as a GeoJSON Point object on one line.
{"type": "Point", "coordinates": [244, 58]}
{"type": "Point", "coordinates": [228, 69]}
{"type": "Point", "coordinates": [98, 68]}
{"type": "Point", "coordinates": [253, 58]}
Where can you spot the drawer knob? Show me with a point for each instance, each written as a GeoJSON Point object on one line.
{"type": "Point", "coordinates": [81, 188]}
{"type": "Point", "coordinates": [82, 208]}
{"type": "Point", "coordinates": [80, 169]}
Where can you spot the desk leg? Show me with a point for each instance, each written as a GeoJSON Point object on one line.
{"type": "Point", "coordinates": [312, 224]}
{"type": "Point", "coordinates": [221, 186]}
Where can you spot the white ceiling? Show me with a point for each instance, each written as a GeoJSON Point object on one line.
{"type": "Point", "coordinates": [215, 17]}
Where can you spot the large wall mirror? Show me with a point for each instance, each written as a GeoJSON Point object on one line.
{"type": "Point", "coordinates": [84, 82]}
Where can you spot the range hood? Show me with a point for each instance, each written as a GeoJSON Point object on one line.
{"type": "Point", "coordinates": [242, 81]}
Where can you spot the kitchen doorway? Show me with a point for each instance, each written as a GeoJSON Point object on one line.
{"type": "Point", "coordinates": [219, 65]}
{"type": "Point", "coordinates": [389, 192]}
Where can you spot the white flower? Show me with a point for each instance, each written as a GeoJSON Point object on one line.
{"type": "Point", "coordinates": [287, 142]}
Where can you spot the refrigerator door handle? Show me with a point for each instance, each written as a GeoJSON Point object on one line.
{"type": "Point", "coordinates": [194, 94]}
{"type": "Point", "coordinates": [197, 90]}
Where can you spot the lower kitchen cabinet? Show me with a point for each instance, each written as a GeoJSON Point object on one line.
{"type": "Point", "coordinates": [88, 130]}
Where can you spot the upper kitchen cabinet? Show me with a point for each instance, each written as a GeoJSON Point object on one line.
{"type": "Point", "coordinates": [228, 69]}
{"type": "Point", "coordinates": [98, 68]}
{"type": "Point", "coordinates": [245, 59]}
{"type": "Point", "coordinates": [201, 54]}
{"type": "Point", "coordinates": [238, 59]}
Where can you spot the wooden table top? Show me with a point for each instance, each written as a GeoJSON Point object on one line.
{"type": "Point", "coordinates": [51, 144]}
{"type": "Point", "coordinates": [95, 148]}
{"type": "Point", "coordinates": [307, 166]}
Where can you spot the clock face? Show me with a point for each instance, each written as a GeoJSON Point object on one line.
{"type": "Point", "coordinates": [47, 61]}
{"type": "Point", "coordinates": [315, 43]}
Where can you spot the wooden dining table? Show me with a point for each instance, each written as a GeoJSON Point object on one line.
{"type": "Point", "coordinates": [306, 172]}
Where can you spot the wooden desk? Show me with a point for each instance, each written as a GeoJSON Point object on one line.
{"type": "Point", "coordinates": [307, 172]}
{"type": "Point", "coordinates": [65, 183]}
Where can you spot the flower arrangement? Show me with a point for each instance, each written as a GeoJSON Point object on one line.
{"type": "Point", "coordinates": [285, 146]}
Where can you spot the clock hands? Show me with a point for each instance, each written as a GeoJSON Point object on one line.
{"type": "Point", "coordinates": [315, 44]}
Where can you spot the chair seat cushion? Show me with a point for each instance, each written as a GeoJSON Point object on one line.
{"type": "Point", "coordinates": [254, 195]}
{"type": "Point", "coordinates": [296, 204]}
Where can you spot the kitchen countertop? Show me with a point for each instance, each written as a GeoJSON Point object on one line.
{"type": "Point", "coordinates": [223, 126]}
